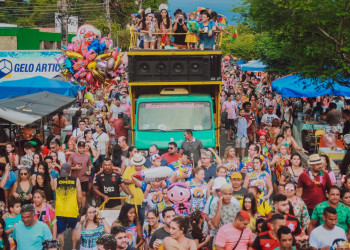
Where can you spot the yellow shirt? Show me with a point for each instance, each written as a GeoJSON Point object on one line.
{"type": "Point", "coordinates": [136, 192]}
{"type": "Point", "coordinates": [264, 208]}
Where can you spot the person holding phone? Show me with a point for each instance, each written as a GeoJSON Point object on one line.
{"type": "Point", "coordinates": [149, 27]}
{"type": "Point", "coordinates": [179, 27]}
{"type": "Point", "coordinates": [207, 28]}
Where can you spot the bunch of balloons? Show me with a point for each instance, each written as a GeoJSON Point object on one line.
{"type": "Point", "coordinates": [90, 60]}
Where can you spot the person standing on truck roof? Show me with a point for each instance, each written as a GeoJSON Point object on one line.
{"type": "Point", "coordinates": [193, 145]}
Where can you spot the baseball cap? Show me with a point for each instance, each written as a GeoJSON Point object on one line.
{"type": "Point", "coordinates": [86, 100]}
{"type": "Point", "coordinates": [219, 182]}
{"type": "Point", "coordinates": [81, 144]}
{"type": "Point", "coordinates": [236, 175]}
{"type": "Point", "coordinates": [65, 170]}
{"type": "Point", "coordinates": [120, 115]}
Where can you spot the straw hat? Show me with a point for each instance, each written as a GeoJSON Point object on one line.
{"type": "Point", "coordinates": [314, 159]}
{"type": "Point", "coordinates": [138, 159]}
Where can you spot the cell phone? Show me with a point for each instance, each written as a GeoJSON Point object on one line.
{"type": "Point", "coordinates": [180, 20]}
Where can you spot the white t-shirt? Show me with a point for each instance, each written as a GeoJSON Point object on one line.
{"type": "Point", "coordinates": [267, 118]}
{"type": "Point", "coordinates": [321, 237]}
{"type": "Point", "coordinates": [76, 133]}
{"type": "Point", "coordinates": [61, 156]}
{"type": "Point", "coordinates": [115, 110]}
{"type": "Point", "coordinates": [100, 142]}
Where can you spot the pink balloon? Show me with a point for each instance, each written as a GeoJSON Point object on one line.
{"type": "Point", "coordinates": [102, 65]}
{"type": "Point", "coordinates": [89, 77]}
{"type": "Point", "coordinates": [329, 140]}
{"type": "Point", "coordinates": [227, 58]}
{"type": "Point", "coordinates": [70, 47]}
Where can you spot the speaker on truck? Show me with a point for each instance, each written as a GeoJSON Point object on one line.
{"type": "Point", "coordinates": [175, 68]}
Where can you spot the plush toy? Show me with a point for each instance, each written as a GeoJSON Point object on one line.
{"type": "Point", "coordinates": [179, 193]}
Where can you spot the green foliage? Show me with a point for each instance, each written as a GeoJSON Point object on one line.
{"type": "Point", "coordinates": [308, 37]}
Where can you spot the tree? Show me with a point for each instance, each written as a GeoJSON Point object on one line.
{"type": "Point", "coordinates": [310, 37]}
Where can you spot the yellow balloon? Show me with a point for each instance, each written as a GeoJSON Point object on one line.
{"type": "Point", "coordinates": [92, 65]}
{"type": "Point", "coordinates": [118, 61]}
{"type": "Point", "coordinates": [89, 96]}
{"type": "Point", "coordinates": [103, 56]}
{"type": "Point", "coordinates": [98, 75]}
{"type": "Point", "coordinates": [74, 55]}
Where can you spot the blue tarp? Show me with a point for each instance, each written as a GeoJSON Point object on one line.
{"type": "Point", "coordinates": [297, 86]}
{"type": "Point", "coordinates": [255, 65]}
{"type": "Point", "coordinates": [37, 84]}
{"type": "Point", "coordinates": [240, 62]}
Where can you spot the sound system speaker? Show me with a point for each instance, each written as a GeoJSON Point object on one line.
{"type": "Point", "coordinates": [174, 68]}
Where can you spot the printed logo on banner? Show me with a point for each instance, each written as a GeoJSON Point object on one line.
{"type": "Point", "coordinates": [5, 68]}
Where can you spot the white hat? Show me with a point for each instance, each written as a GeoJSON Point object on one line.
{"type": "Point", "coordinates": [218, 182]}
{"type": "Point", "coordinates": [138, 159]}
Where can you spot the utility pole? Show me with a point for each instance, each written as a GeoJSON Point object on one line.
{"type": "Point", "coordinates": [108, 16]}
{"type": "Point", "coordinates": [64, 23]}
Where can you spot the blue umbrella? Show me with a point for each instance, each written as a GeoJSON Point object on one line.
{"type": "Point", "coordinates": [255, 65]}
{"type": "Point", "coordinates": [240, 62]}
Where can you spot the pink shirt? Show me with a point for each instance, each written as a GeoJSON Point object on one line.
{"type": "Point", "coordinates": [228, 236]}
{"type": "Point", "coordinates": [230, 108]}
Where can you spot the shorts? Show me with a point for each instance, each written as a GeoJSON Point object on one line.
{"type": "Point", "coordinates": [65, 222]}
{"type": "Point", "coordinates": [229, 124]}
{"type": "Point", "coordinates": [241, 142]}
{"type": "Point", "coordinates": [84, 186]}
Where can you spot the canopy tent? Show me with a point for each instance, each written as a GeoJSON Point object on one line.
{"type": "Point", "coordinates": [37, 84]}
{"type": "Point", "coordinates": [240, 62]}
{"type": "Point", "coordinates": [24, 110]}
{"type": "Point", "coordinates": [255, 65]}
{"type": "Point", "coordinates": [297, 86]}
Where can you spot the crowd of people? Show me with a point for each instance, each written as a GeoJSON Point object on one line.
{"type": "Point", "coordinates": [195, 30]}
{"type": "Point", "coordinates": [260, 194]}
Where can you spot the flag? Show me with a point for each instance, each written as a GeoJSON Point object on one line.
{"type": "Point", "coordinates": [234, 36]}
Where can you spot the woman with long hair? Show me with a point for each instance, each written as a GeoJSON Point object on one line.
{"type": "Point", "coordinates": [90, 227]}
{"type": "Point", "coordinates": [279, 139]}
{"type": "Point", "coordinates": [148, 27]}
{"type": "Point", "coordinates": [249, 204]}
{"type": "Point", "coordinates": [44, 212]}
{"type": "Point", "coordinates": [281, 161]}
{"type": "Point", "coordinates": [274, 131]}
{"type": "Point", "coordinates": [37, 158]}
{"type": "Point", "coordinates": [177, 240]}
{"type": "Point", "coordinates": [294, 171]}
{"type": "Point", "coordinates": [56, 163]}
{"type": "Point", "coordinates": [12, 156]}
{"type": "Point", "coordinates": [298, 205]}
{"type": "Point", "coordinates": [4, 238]}
{"type": "Point", "coordinates": [199, 189]}
{"type": "Point", "coordinates": [164, 26]}
{"type": "Point", "coordinates": [326, 166]}
{"type": "Point", "coordinates": [345, 197]}
{"type": "Point", "coordinates": [260, 178]}
{"type": "Point", "coordinates": [42, 184]}
{"type": "Point", "coordinates": [197, 220]}
{"type": "Point", "coordinates": [230, 161]}
{"type": "Point", "coordinates": [127, 161]}
{"type": "Point", "coordinates": [44, 169]}
{"type": "Point", "coordinates": [287, 134]}
{"type": "Point", "coordinates": [128, 219]}
{"type": "Point", "coordinates": [22, 189]}
{"type": "Point", "coordinates": [117, 157]}
{"type": "Point", "coordinates": [153, 225]}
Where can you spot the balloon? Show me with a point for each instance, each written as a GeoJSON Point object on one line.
{"type": "Point", "coordinates": [69, 65]}
{"type": "Point", "coordinates": [89, 77]}
{"type": "Point", "coordinates": [70, 47]}
{"type": "Point", "coordinates": [79, 64]}
{"type": "Point", "coordinates": [77, 75]}
{"type": "Point", "coordinates": [90, 55]}
{"type": "Point", "coordinates": [92, 65]}
{"type": "Point", "coordinates": [102, 65]}
{"type": "Point", "coordinates": [97, 75]}
{"type": "Point", "coordinates": [77, 46]}
{"type": "Point", "coordinates": [330, 140]}
{"type": "Point", "coordinates": [227, 58]}
{"type": "Point", "coordinates": [154, 174]}
{"type": "Point", "coordinates": [115, 53]}
{"type": "Point", "coordinates": [103, 56]}
{"type": "Point", "coordinates": [110, 63]}
{"type": "Point", "coordinates": [118, 61]}
{"type": "Point", "coordinates": [86, 32]}
{"type": "Point", "coordinates": [74, 55]}
{"type": "Point", "coordinates": [61, 60]}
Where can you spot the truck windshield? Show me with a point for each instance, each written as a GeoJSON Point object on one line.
{"type": "Point", "coordinates": [173, 116]}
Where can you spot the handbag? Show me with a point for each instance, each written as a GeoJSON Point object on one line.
{"type": "Point", "coordinates": [224, 115]}
{"type": "Point", "coordinates": [238, 241]}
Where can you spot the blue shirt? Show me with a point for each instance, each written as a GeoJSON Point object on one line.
{"type": "Point", "coordinates": [242, 126]}
{"type": "Point", "coordinates": [31, 238]}
{"type": "Point", "coordinates": [205, 39]}
{"type": "Point", "coordinates": [209, 172]}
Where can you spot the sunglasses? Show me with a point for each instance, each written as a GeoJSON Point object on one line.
{"type": "Point", "coordinates": [24, 174]}
{"type": "Point", "coordinates": [52, 147]}
{"type": "Point", "coordinates": [170, 148]}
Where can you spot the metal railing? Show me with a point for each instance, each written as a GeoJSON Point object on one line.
{"type": "Point", "coordinates": [134, 37]}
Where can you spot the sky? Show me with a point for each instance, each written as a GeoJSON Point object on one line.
{"type": "Point", "coordinates": [220, 6]}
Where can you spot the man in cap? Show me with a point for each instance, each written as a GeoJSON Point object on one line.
{"type": "Point", "coordinates": [137, 162]}
{"type": "Point", "coordinates": [313, 183]}
{"type": "Point", "coordinates": [236, 181]}
{"type": "Point", "coordinates": [68, 201]}
{"type": "Point", "coordinates": [30, 233]}
{"type": "Point", "coordinates": [235, 235]}
{"type": "Point", "coordinates": [81, 168]}
{"type": "Point", "coordinates": [107, 184]}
